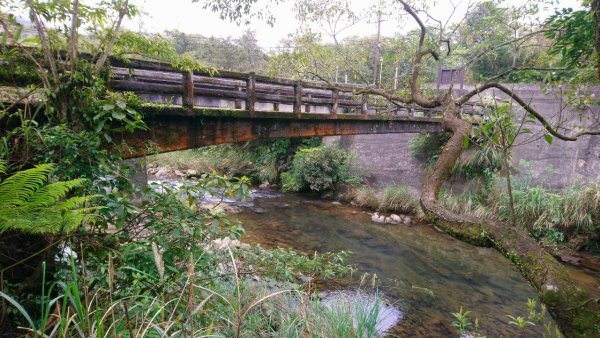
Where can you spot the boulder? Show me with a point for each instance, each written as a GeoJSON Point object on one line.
{"type": "Point", "coordinates": [163, 172]}
{"type": "Point", "coordinates": [191, 173]}
{"type": "Point", "coordinates": [396, 218]}
{"type": "Point", "coordinates": [378, 218]}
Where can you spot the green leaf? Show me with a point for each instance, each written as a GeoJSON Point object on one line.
{"type": "Point", "coordinates": [108, 107]}
{"type": "Point", "coordinates": [466, 142]}
{"type": "Point", "coordinates": [20, 308]}
{"type": "Point", "coordinates": [548, 138]}
{"type": "Point", "coordinates": [215, 225]}
{"type": "Point", "coordinates": [118, 115]}
{"type": "Point", "coordinates": [18, 32]}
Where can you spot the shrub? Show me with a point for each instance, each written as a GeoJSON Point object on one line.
{"type": "Point", "coordinates": [364, 196]}
{"type": "Point", "coordinates": [319, 169]}
{"type": "Point", "coordinates": [398, 198]}
{"type": "Point", "coordinates": [427, 147]}
{"type": "Point", "coordinates": [261, 160]}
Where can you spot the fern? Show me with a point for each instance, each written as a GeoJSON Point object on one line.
{"type": "Point", "coordinates": [29, 204]}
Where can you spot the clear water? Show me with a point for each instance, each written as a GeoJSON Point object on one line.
{"type": "Point", "coordinates": [429, 274]}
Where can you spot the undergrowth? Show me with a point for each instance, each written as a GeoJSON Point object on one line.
{"type": "Point", "coordinates": [261, 160]}
{"type": "Point", "coordinates": [158, 272]}
{"type": "Point", "coordinates": [571, 217]}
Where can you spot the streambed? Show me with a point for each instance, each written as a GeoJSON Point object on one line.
{"type": "Point", "coordinates": [428, 274]}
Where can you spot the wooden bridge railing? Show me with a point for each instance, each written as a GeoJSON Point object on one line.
{"type": "Point", "coordinates": [155, 81]}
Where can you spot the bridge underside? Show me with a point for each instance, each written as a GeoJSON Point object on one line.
{"type": "Point", "coordinates": [173, 128]}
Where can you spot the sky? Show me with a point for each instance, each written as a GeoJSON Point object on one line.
{"type": "Point", "coordinates": [188, 17]}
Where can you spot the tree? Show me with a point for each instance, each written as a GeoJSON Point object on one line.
{"type": "Point", "coordinates": [550, 279]}
{"type": "Point", "coordinates": [241, 54]}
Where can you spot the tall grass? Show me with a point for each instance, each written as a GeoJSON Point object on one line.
{"type": "Point", "coordinates": [193, 305]}
{"type": "Point", "coordinates": [399, 199]}
{"type": "Point", "coordinates": [393, 198]}
{"type": "Point", "coordinates": [572, 215]}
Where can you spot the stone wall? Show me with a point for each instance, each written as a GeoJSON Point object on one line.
{"type": "Point", "coordinates": [558, 164]}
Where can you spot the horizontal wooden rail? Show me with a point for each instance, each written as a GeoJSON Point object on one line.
{"type": "Point", "coordinates": [160, 82]}
{"type": "Point", "coordinates": [158, 79]}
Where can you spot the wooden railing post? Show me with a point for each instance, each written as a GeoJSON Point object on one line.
{"type": "Point", "coordinates": [276, 104]}
{"type": "Point", "coordinates": [187, 99]}
{"type": "Point", "coordinates": [251, 92]}
{"type": "Point", "coordinates": [238, 103]}
{"type": "Point", "coordinates": [364, 108]}
{"type": "Point", "coordinates": [298, 98]}
{"type": "Point", "coordinates": [335, 97]}
{"type": "Point", "coordinates": [307, 108]}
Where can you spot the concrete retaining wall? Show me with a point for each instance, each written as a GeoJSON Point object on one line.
{"type": "Point", "coordinates": [558, 164]}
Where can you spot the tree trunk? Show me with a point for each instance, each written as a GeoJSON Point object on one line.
{"type": "Point", "coordinates": [577, 314]}
{"type": "Point", "coordinates": [511, 200]}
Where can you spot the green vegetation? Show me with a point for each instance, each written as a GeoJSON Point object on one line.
{"type": "Point", "coordinates": [29, 204]}
{"type": "Point", "coordinates": [262, 161]}
{"type": "Point", "coordinates": [461, 321]}
{"type": "Point", "coordinates": [393, 198]}
{"type": "Point", "coordinates": [479, 157]}
{"type": "Point", "coordinates": [319, 169]}
{"type": "Point", "coordinates": [191, 298]}
{"type": "Point", "coordinates": [570, 217]}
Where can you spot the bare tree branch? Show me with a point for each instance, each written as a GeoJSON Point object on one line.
{"type": "Point", "coordinates": [416, 93]}
{"type": "Point", "coordinates": [73, 36]}
{"type": "Point", "coordinates": [552, 130]}
{"type": "Point", "coordinates": [43, 40]}
{"type": "Point", "coordinates": [115, 34]}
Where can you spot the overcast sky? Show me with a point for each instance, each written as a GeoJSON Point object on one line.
{"type": "Point", "coordinates": [189, 17]}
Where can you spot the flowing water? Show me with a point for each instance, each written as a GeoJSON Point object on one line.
{"type": "Point", "coordinates": [428, 274]}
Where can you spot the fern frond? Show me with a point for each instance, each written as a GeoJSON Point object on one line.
{"type": "Point", "coordinates": [28, 204]}
{"type": "Point", "coordinates": [21, 186]}
{"type": "Point", "coordinates": [49, 194]}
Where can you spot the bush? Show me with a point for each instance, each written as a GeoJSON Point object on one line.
{"type": "Point", "coordinates": [398, 198]}
{"type": "Point", "coordinates": [364, 196]}
{"type": "Point", "coordinates": [319, 169]}
{"type": "Point", "coordinates": [261, 160]}
{"type": "Point", "coordinates": [394, 198]}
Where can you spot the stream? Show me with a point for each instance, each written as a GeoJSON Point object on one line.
{"type": "Point", "coordinates": [428, 274]}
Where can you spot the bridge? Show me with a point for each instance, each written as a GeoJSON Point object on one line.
{"type": "Point", "coordinates": [186, 110]}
